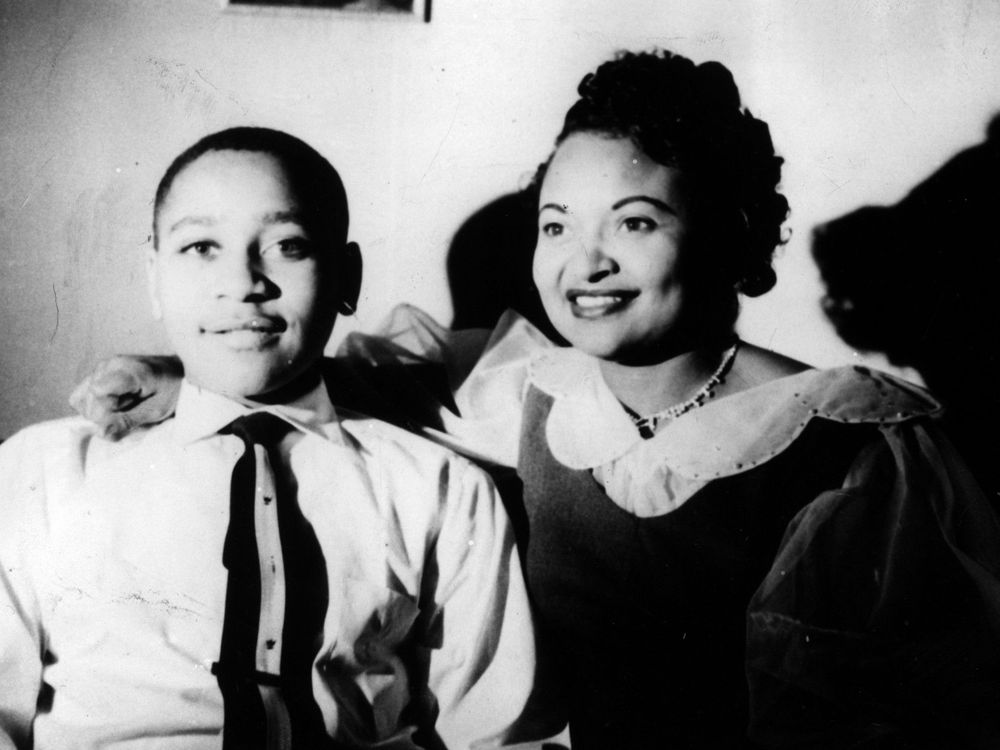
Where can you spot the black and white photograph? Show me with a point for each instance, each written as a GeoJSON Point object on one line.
{"type": "Point", "coordinates": [470, 374]}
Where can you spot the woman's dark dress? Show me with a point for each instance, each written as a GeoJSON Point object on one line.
{"type": "Point", "coordinates": [645, 619]}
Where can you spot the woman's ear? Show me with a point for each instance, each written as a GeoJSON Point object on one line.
{"type": "Point", "coordinates": [349, 273]}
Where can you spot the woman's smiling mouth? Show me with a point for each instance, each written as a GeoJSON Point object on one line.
{"type": "Point", "coordinates": [596, 304]}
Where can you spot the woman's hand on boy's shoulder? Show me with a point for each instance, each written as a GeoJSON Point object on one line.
{"type": "Point", "coordinates": [126, 391]}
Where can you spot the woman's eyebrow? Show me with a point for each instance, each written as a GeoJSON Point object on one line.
{"type": "Point", "coordinates": [644, 199]}
{"type": "Point", "coordinates": [561, 208]}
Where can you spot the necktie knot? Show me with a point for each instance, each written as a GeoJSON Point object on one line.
{"type": "Point", "coordinates": [262, 428]}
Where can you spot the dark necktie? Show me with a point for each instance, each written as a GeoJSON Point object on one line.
{"type": "Point", "coordinates": [276, 600]}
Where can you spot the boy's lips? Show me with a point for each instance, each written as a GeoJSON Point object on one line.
{"type": "Point", "coordinates": [599, 302]}
{"type": "Point", "coordinates": [251, 333]}
{"type": "Point", "coordinates": [253, 324]}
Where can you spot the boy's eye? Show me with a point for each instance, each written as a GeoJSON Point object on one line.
{"type": "Point", "coordinates": [293, 248]}
{"type": "Point", "coordinates": [638, 224]}
{"type": "Point", "coordinates": [202, 248]}
{"type": "Point", "coordinates": [552, 229]}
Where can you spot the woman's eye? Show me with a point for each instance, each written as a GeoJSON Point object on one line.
{"type": "Point", "coordinates": [638, 224]}
{"type": "Point", "coordinates": [552, 229]}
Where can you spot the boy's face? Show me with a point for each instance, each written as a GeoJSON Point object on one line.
{"type": "Point", "coordinates": [247, 297]}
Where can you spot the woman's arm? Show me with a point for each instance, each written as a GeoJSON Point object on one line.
{"type": "Point", "coordinates": [127, 391]}
{"type": "Point", "coordinates": [459, 388]}
{"type": "Point", "coordinates": [878, 625]}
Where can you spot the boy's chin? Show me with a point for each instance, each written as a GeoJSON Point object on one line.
{"type": "Point", "coordinates": [264, 386]}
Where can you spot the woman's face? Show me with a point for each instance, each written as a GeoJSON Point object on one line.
{"type": "Point", "coordinates": [614, 233]}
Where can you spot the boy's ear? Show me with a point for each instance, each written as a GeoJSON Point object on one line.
{"type": "Point", "coordinates": [153, 282]}
{"type": "Point", "coordinates": [349, 273]}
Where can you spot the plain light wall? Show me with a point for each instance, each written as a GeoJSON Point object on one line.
{"type": "Point", "coordinates": [427, 123]}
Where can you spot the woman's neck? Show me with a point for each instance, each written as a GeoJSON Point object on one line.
{"type": "Point", "coordinates": [649, 388]}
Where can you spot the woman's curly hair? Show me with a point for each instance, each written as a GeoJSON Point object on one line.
{"type": "Point", "coordinates": [690, 117]}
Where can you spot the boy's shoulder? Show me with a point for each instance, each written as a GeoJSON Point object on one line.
{"type": "Point", "coordinates": [41, 461]}
{"type": "Point", "coordinates": [413, 480]}
{"type": "Point", "coordinates": [67, 440]}
{"type": "Point", "coordinates": [381, 441]}
{"type": "Point", "coordinates": [39, 439]}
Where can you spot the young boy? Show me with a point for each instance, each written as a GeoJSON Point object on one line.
{"type": "Point", "coordinates": [258, 568]}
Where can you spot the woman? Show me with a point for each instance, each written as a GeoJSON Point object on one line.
{"type": "Point", "coordinates": [718, 537]}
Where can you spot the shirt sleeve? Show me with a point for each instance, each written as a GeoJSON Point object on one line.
{"type": "Point", "coordinates": [482, 671]}
{"type": "Point", "coordinates": [878, 625]}
{"type": "Point", "coordinates": [22, 514]}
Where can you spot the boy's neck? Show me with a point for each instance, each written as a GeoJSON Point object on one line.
{"type": "Point", "coordinates": [291, 392]}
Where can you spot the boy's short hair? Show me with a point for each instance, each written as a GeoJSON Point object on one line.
{"type": "Point", "coordinates": [314, 181]}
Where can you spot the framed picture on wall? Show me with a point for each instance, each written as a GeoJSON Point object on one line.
{"type": "Point", "coordinates": [417, 9]}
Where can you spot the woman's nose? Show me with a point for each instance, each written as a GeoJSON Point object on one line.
{"type": "Point", "coordinates": [595, 258]}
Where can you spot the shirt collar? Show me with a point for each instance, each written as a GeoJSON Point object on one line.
{"type": "Point", "coordinates": [587, 427]}
{"type": "Point", "coordinates": [201, 413]}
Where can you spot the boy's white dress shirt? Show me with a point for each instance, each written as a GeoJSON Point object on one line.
{"type": "Point", "coordinates": [112, 587]}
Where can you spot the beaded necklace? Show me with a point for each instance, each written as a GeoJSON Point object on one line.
{"type": "Point", "coordinates": [647, 425]}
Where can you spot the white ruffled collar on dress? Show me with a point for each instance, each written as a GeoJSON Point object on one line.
{"type": "Point", "coordinates": [587, 427]}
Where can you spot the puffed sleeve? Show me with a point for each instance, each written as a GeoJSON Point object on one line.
{"type": "Point", "coordinates": [482, 670]}
{"type": "Point", "coordinates": [21, 524]}
{"type": "Point", "coordinates": [462, 388]}
{"type": "Point", "coordinates": [878, 625]}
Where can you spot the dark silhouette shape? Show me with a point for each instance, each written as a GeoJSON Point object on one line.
{"type": "Point", "coordinates": [489, 264]}
{"type": "Point", "coordinates": [918, 280]}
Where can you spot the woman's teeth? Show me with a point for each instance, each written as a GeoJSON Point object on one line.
{"type": "Point", "coordinates": [594, 302]}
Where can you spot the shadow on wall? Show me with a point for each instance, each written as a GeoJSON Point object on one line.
{"type": "Point", "coordinates": [489, 264]}
{"type": "Point", "coordinates": [920, 281]}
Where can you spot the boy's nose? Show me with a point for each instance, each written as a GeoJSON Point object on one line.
{"type": "Point", "coordinates": [239, 276]}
